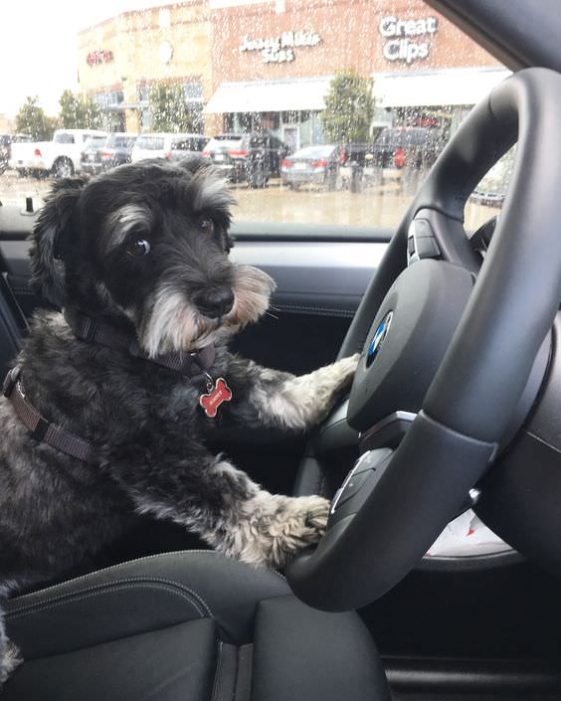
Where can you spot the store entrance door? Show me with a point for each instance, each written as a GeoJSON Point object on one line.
{"type": "Point", "coordinates": [291, 137]}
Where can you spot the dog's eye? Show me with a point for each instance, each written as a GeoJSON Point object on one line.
{"type": "Point", "coordinates": [137, 248]}
{"type": "Point", "coordinates": [206, 226]}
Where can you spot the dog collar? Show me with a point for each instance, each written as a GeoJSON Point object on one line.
{"type": "Point", "coordinates": [193, 365]}
{"type": "Point", "coordinates": [42, 429]}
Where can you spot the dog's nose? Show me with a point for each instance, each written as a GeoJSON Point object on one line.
{"type": "Point", "coordinates": [215, 303]}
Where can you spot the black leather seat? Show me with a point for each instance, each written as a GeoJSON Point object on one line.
{"type": "Point", "coordinates": [186, 626]}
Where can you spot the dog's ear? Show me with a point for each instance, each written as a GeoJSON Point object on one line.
{"type": "Point", "coordinates": [51, 236]}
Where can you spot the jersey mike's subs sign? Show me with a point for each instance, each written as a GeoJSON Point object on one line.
{"type": "Point", "coordinates": [281, 48]}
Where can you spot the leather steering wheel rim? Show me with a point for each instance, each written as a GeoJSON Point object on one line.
{"type": "Point", "coordinates": [484, 371]}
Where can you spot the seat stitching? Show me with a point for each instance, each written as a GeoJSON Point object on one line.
{"type": "Point", "coordinates": [114, 568]}
{"type": "Point", "coordinates": [191, 596]}
{"type": "Point", "coordinates": [96, 591]}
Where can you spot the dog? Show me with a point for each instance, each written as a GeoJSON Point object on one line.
{"type": "Point", "coordinates": [136, 376]}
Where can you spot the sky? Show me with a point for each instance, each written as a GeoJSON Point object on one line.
{"type": "Point", "coordinates": [38, 46]}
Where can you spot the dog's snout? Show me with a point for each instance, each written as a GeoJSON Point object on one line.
{"type": "Point", "coordinates": [215, 303]}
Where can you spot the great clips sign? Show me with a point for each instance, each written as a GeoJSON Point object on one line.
{"type": "Point", "coordinates": [407, 40]}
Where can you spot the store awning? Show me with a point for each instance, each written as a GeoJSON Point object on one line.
{"type": "Point", "coordinates": [270, 96]}
{"type": "Point", "coordinates": [460, 86]}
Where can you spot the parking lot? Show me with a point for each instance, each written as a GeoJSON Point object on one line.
{"type": "Point", "coordinates": [381, 205]}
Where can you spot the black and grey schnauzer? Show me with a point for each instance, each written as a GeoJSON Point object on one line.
{"type": "Point", "coordinates": [136, 373]}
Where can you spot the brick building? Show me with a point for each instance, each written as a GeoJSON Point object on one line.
{"type": "Point", "coordinates": [268, 64]}
{"type": "Point", "coordinates": [122, 57]}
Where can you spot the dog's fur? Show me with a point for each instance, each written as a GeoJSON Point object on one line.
{"type": "Point", "coordinates": [143, 420]}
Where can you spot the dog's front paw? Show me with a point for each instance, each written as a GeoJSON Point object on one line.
{"type": "Point", "coordinates": [326, 385]}
{"type": "Point", "coordinates": [298, 523]}
{"type": "Point", "coordinates": [281, 526]}
{"type": "Point", "coordinates": [344, 370]}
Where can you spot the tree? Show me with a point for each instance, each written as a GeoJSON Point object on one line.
{"type": "Point", "coordinates": [31, 119]}
{"type": "Point", "coordinates": [169, 109]}
{"type": "Point", "coordinates": [349, 108]}
{"type": "Point", "coordinates": [78, 112]}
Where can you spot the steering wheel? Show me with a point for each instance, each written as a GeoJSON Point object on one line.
{"type": "Point", "coordinates": [457, 347]}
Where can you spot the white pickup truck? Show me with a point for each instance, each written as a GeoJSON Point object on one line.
{"type": "Point", "coordinates": [59, 157]}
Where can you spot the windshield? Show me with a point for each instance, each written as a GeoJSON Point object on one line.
{"type": "Point", "coordinates": [386, 82]}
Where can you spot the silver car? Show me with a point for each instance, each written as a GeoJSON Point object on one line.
{"type": "Point", "coordinates": [313, 165]}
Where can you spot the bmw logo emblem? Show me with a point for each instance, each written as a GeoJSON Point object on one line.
{"type": "Point", "coordinates": [378, 339]}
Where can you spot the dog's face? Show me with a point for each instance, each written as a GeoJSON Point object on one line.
{"type": "Point", "coordinates": [149, 241]}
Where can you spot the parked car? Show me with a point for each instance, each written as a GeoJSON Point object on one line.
{"type": "Point", "coordinates": [59, 157]}
{"type": "Point", "coordinates": [396, 148]}
{"type": "Point", "coordinates": [6, 141]}
{"type": "Point", "coordinates": [252, 157]}
{"type": "Point", "coordinates": [314, 165]}
{"type": "Point", "coordinates": [117, 149]}
{"type": "Point", "coordinates": [90, 158]}
{"type": "Point", "coordinates": [170, 146]}
{"type": "Point", "coordinates": [228, 153]}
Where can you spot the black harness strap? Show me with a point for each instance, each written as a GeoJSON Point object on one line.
{"type": "Point", "coordinates": [41, 429]}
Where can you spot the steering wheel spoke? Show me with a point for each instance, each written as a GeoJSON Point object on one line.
{"type": "Point", "coordinates": [434, 234]}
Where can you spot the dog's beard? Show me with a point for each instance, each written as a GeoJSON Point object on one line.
{"type": "Point", "coordinates": [174, 323]}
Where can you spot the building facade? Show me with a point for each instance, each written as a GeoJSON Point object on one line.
{"type": "Point", "coordinates": [247, 65]}
{"type": "Point", "coordinates": [121, 59]}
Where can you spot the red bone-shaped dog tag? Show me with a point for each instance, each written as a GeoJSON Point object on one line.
{"type": "Point", "coordinates": [217, 395]}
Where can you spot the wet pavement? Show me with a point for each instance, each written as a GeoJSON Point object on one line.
{"type": "Point", "coordinates": [380, 205]}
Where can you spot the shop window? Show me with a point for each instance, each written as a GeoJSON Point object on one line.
{"type": "Point", "coordinates": [108, 99]}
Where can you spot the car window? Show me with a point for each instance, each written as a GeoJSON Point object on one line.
{"type": "Point", "coordinates": [64, 138]}
{"type": "Point", "coordinates": [223, 143]}
{"type": "Point", "coordinates": [94, 141]}
{"type": "Point", "coordinates": [151, 143]}
{"type": "Point", "coordinates": [385, 82]}
{"type": "Point", "coordinates": [192, 144]}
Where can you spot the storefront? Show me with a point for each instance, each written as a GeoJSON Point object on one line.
{"type": "Point", "coordinates": [436, 98]}
{"type": "Point", "coordinates": [290, 108]}
{"type": "Point", "coordinates": [253, 65]}
{"type": "Point", "coordinates": [274, 63]}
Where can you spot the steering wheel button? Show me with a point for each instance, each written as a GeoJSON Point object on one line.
{"type": "Point", "coordinates": [352, 486]}
{"type": "Point", "coordinates": [370, 459]}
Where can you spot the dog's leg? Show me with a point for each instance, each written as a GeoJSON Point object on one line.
{"type": "Point", "coordinates": [209, 496]}
{"type": "Point", "coordinates": [9, 654]}
{"type": "Point", "coordinates": [281, 400]}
